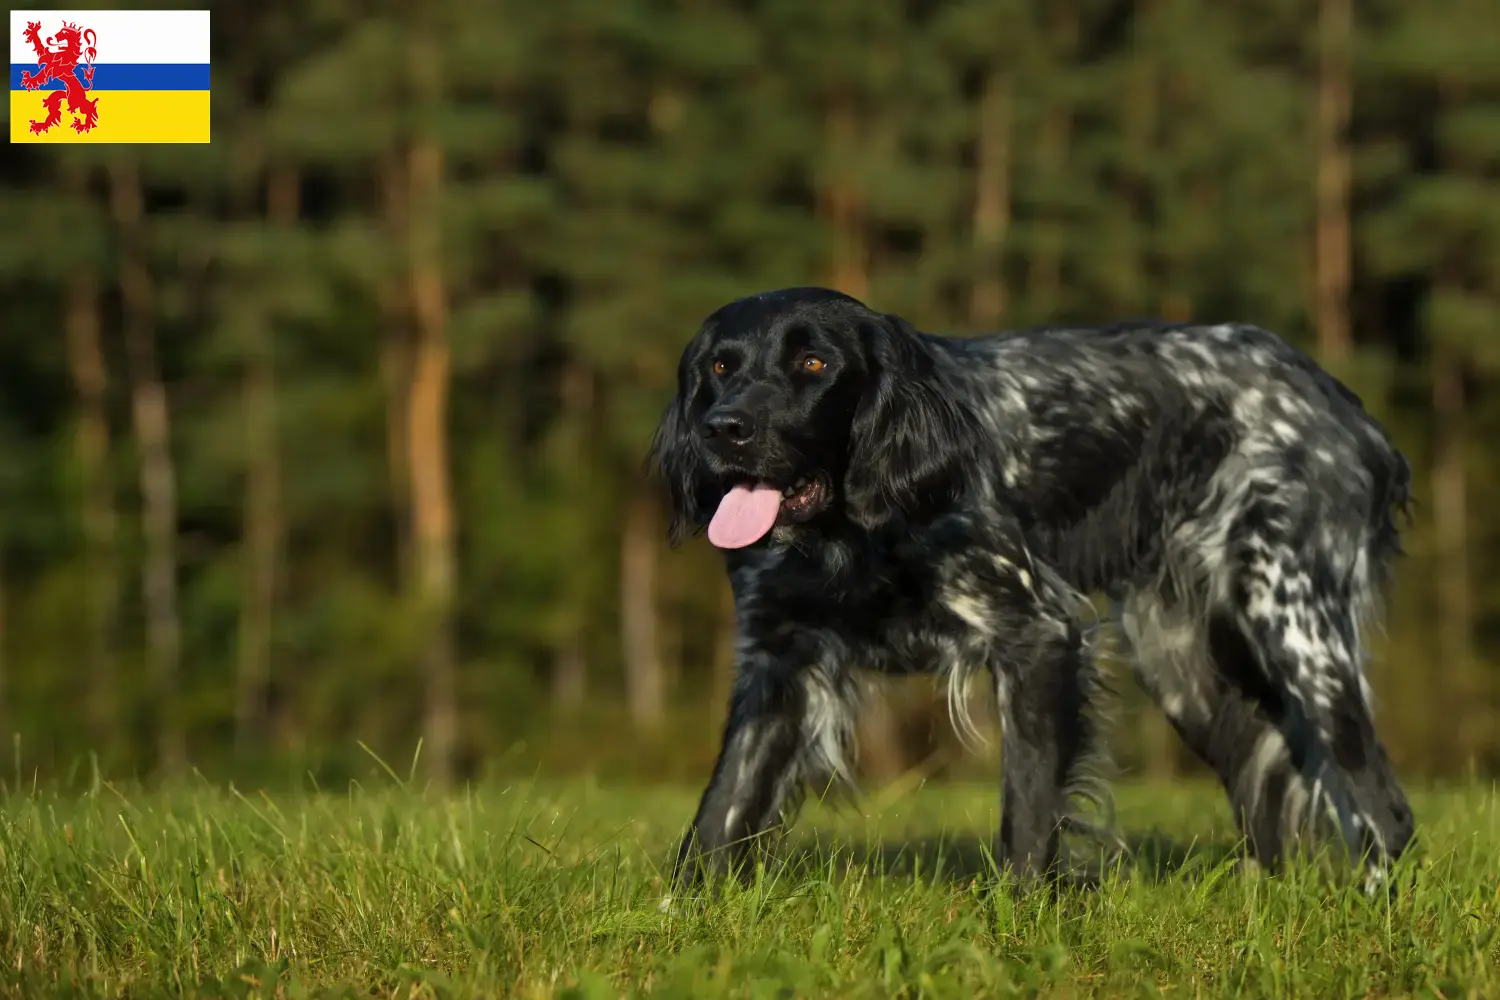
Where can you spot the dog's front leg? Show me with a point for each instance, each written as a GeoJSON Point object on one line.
{"type": "Point", "coordinates": [1016, 615]}
{"type": "Point", "coordinates": [1041, 677]}
{"type": "Point", "coordinates": [784, 728]}
{"type": "Point", "coordinates": [1040, 666]}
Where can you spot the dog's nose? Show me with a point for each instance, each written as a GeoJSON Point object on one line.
{"type": "Point", "coordinates": [733, 426]}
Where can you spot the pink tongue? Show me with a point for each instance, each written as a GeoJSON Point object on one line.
{"type": "Point", "coordinates": [744, 515]}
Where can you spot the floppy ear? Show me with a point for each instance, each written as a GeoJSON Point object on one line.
{"type": "Point", "coordinates": [675, 456]}
{"type": "Point", "coordinates": [912, 441]}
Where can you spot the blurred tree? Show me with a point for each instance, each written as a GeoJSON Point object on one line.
{"type": "Point", "coordinates": [1050, 176]}
{"type": "Point", "coordinates": [1441, 232]}
{"type": "Point", "coordinates": [571, 466]}
{"type": "Point", "coordinates": [264, 531]}
{"type": "Point", "coordinates": [158, 475]}
{"type": "Point", "coordinates": [385, 356]}
{"type": "Point", "coordinates": [89, 370]}
{"type": "Point", "coordinates": [994, 157]}
{"type": "Point", "coordinates": [427, 415]}
{"type": "Point", "coordinates": [1331, 257]}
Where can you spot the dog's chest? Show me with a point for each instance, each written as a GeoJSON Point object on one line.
{"type": "Point", "coordinates": [926, 608]}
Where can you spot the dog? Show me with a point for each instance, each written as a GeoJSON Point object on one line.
{"type": "Point", "coordinates": [898, 501]}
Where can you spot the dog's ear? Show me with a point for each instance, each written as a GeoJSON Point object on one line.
{"type": "Point", "coordinates": [912, 442]}
{"type": "Point", "coordinates": [675, 457]}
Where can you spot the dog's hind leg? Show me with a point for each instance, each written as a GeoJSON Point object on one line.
{"type": "Point", "coordinates": [1200, 673]}
{"type": "Point", "coordinates": [1298, 615]}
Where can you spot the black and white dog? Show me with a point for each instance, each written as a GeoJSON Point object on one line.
{"type": "Point", "coordinates": [897, 501]}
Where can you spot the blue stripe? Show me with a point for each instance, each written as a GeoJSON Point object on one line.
{"type": "Point", "coordinates": [127, 76]}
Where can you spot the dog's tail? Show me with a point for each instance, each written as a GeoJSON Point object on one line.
{"type": "Point", "coordinates": [1390, 468]}
{"type": "Point", "coordinates": [1395, 503]}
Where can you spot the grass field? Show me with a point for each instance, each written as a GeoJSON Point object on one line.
{"type": "Point", "coordinates": [553, 889]}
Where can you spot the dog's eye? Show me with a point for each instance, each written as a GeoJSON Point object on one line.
{"type": "Point", "coordinates": [813, 364]}
{"type": "Point", "coordinates": [720, 367]}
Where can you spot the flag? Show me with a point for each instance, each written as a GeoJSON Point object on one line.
{"type": "Point", "coordinates": [109, 76]}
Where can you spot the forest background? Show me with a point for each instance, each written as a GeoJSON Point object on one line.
{"type": "Point", "coordinates": [326, 439]}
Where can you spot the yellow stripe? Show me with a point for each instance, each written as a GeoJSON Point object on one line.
{"type": "Point", "coordinates": [124, 116]}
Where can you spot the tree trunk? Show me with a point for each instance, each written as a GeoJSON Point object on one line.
{"type": "Point", "coordinates": [1332, 254]}
{"type": "Point", "coordinates": [1176, 302]}
{"type": "Point", "coordinates": [992, 199]}
{"type": "Point", "coordinates": [5, 726]}
{"type": "Point", "coordinates": [1454, 592]}
{"type": "Point", "coordinates": [843, 206]}
{"type": "Point", "coordinates": [427, 458]}
{"type": "Point", "coordinates": [1176, 306]}
{"type": "Point", "coordinates": [644, 684]}
{"type": "Point", "coordinates": [1044, 277]}
{"type": "Point", "coordinates": [152, 422]}
{"type": "Point", "coordinates": [395, 366]}
{"type": "Point", "coordinates": [1140, 190]}
{"type": "Point", "coordinates": [101, 585]}
{"type": "Point", "coordinates": [570, 675]}
{"type": "Point", "coordinates": [572, 466]}
{"type": "Point", "coordinates": [670, 634]}
{"type": "Point", "coordinates": [263, 521]}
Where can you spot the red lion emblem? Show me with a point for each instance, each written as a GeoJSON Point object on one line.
{"type": "Point", "coordinates": [56, 59]}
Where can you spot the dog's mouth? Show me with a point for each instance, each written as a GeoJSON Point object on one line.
{"type": "Point", "coordinates": [805, 498]}
{"type": "Point", "coordinates": [750, 510]}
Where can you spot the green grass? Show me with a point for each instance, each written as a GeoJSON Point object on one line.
{"type": "Point", "coordinates": [553, 889]}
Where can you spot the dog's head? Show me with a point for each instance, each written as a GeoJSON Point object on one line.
{"type": "Point", "coordinates": [800, 407]}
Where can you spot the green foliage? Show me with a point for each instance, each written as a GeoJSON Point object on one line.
{"type": "Point", "coordinates": [610, 174]}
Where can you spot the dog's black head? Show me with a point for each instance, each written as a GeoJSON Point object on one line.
{"type": "Point", "coordinates": [800, 407]}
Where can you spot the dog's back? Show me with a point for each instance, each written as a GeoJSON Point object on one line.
{"type": "Point", "coordinates": [1122, 443]}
